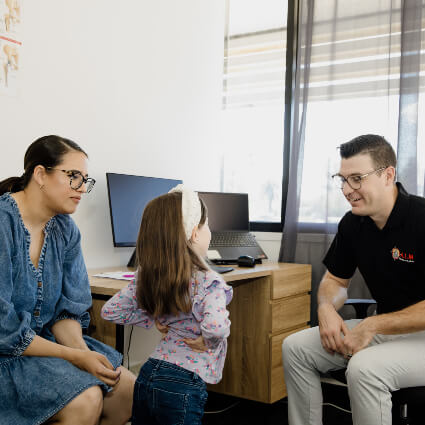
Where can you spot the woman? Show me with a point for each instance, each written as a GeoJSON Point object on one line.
{"type": "Point", "coordinates": [49, 372]}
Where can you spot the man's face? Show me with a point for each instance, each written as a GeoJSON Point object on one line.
{"type": "Point", "coordinates": [368, 199]}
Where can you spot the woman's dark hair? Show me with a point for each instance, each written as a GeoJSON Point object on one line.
{"type": "Point", "coordinates": [47, 151]}
{"type": "Point", "coordinates": [377, 147]}
{"type": "Point", "coordinates": [166, 259]}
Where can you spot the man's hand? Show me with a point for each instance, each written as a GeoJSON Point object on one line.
{"type": "Point", "coordinates": [331, 327]}
{"type": "Point", "coordinates": [197, 344]}
{"type": "Point", "coordinates": [359, 337]}
{"type": "Point", "coordinates": [96, 364]}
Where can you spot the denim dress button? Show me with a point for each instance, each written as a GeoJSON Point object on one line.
{"type": "Point", "coordinates": [39, 284]}
{"type": "Point", "coordinates": [36, 313]}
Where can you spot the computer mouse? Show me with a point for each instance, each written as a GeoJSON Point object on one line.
{"type": "Point", "coordinates": [246, 261]}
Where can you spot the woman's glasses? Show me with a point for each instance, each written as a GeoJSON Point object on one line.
{"type": "Point", "coordinates": [76, 179]}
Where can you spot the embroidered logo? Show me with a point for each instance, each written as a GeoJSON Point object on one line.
{"type": "Point", "coordinates": [402, 256]}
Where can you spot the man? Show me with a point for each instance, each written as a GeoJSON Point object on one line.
{"type": "Point", "coordinates": [384, 236]}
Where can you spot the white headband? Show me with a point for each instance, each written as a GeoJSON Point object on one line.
{"type": "Point", "coordinates": [191, 208]}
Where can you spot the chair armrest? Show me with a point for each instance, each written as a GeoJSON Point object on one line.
{"type": "Point", "coordinates": [361, 306]}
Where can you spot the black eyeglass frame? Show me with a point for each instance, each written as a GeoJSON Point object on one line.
{"type": "Point", "coordinates": [360, 177]}
{"type": "Point", "coordinates": [71, 174]}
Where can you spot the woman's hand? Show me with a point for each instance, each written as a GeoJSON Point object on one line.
{"type": "Point", "coordinates": [197, 344]}
{"type": "Point", "coordinates": [96, 364]}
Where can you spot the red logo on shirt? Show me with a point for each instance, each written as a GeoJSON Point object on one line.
{"type": "Point", "coordinates": [402, 256]}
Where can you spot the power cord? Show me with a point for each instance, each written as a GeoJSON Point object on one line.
{"type": "Point", "coordinates": [285, 401]}
{"type": "Point", "coordinates": [336, 407]}
{"type": "Point", "coordinates": [222, 410]}
{"type": "Point", "coordinates": [128, 347]}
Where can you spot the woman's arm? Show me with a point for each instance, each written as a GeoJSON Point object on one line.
{"type": "Point", "coordinates": [90, 361]}
{"type": "Point", "coordinates": [75, 298]}
{"type": "Point", "coordinates": [68, 332]}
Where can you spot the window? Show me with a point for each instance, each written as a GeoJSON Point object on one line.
{"type": "Point", "coordinates": [253, 104]}
{"type": "Point", "coordinates": [354, 89]}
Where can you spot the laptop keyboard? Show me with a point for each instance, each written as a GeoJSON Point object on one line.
{"type": "Point", "coordinates": [232, 239]}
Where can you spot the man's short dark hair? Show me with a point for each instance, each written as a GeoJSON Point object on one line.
{"type": "Point", "coordinates": [377, 147]}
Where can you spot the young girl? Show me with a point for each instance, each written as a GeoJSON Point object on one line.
{"type": "Point", "coordinates": [175, 287]}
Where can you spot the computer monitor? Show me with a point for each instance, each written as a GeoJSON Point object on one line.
{"type": "Point", "coordinates": [226, 211]}
{"type": "Point", "coordinates": [128, 196]}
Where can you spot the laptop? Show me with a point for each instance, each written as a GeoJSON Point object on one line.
{"type": "Point", "coordinates": [228, 219]}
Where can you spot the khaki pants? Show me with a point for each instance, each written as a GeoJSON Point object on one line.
{"type": "Point", "coordinates": [389, 363]}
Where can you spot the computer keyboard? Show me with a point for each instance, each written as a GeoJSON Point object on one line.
{"type": "Point", "coordinates": [232, 239]}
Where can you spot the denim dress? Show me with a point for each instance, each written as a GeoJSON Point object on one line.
{"type": "Point", "coordinates": [32, 300]}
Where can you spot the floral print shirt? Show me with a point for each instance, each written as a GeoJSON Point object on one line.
{"type": "Point", "coordinates": [209, 317]}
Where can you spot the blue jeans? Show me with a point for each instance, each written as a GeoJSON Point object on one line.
{"type": "Point", "coordinates": [167, 394]}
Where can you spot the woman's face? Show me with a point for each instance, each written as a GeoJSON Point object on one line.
{"type": "Point", "coordinates": [61, 198]}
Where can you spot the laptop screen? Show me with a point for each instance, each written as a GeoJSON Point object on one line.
{"type": "Point", "coordinates": [226, 211]}
{"type": "Point", "coordinates": [128, 196]}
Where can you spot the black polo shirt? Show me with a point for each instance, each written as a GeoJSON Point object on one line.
{"type": "Point", "coordinates": [391, 260]}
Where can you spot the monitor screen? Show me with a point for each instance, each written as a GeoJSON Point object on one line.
{"type": "Point", "coordinates": [128, 196]}
{"type": "Point", "coordinates": [226, 211]}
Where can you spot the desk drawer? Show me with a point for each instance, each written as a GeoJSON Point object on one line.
{"type": "Point", "coordinates": [291, 279]}
{"type": "Point", "coordinates": [277, 382]}
{"type": "Point", "coordinates": [290, 312]}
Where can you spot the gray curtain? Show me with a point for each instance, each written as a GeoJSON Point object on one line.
{"type": "Point", "coordinates": [349, 54]}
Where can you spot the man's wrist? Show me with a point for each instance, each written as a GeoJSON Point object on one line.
{"type": "Point", "coordinates": [372, 324]}
{"type": "Point", "coordinates": [325, 304]}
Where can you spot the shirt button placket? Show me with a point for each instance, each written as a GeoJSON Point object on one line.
{"type": "Point", "coordinates": [37, 309]}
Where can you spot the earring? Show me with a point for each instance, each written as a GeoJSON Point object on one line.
{"type": "Point", "coordinates": [41, 186]}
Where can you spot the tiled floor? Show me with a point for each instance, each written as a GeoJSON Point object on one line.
{"type": "Point", "coordinates": [245, 412]}
{"type": "Point", "coordinates": [224, 410]}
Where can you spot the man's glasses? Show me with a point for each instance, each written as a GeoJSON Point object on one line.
{"type": "Point", "coordinates": [354, 181]}
{"type": "Point", "coordinates": [76, 179]}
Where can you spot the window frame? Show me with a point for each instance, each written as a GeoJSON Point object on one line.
{"type": "Point", "coordinates": [291, 54]}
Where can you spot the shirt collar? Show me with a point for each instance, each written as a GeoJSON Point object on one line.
{"type": "Point", "coordinates": [400, 210]}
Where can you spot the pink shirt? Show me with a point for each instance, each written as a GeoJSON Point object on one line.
{"type": "Point", "coordinates": [209, 317]}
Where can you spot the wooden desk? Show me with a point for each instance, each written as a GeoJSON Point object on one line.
{"type": "Point", "coordinates": [270, 302]}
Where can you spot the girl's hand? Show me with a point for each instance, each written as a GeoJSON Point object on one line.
{"type": "Point", "coordinates": [96, 364]}
{"type": "Point", "coordinates": [163, 329]}
{"type": "Point", "coordinates": [197, 344]}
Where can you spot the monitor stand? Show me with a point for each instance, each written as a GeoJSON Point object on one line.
{"type": "Point", "coordinates": [132, 260]}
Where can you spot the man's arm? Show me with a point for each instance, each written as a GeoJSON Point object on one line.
{"type": "Point", "coordinates": [331, 297]}
{"type": "Point", "coordinates": [410, 319]}
{"type": "Point", "coordinates": [332, 290]}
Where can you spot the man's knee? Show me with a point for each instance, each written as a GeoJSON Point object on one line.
{"type": "Point", "coordinates": [294, 346]}
{"type": "Point", "coordinates": [360, 369]}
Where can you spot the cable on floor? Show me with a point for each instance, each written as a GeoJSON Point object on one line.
{"type": "Point", "coordinates": [337, 407]}
{"type": "Point", "coordinates": [285, 401]}
{"type": "Point", "coordinates": [223, 410]}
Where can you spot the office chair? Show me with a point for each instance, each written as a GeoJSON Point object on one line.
{"type": "Point", "coordinates": [413, 396]}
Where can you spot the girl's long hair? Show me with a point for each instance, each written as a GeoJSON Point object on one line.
{"type": "Point", "coordinates": [46, 151]}
{"type": "Point", "coordinates": [165, 258]}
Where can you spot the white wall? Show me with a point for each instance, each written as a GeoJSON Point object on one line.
{"type": "Point", "coordinates": [136, 83]}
